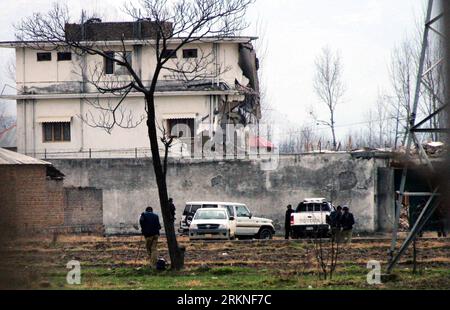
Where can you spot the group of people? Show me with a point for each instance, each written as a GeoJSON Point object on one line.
{"type": "Point", "coordinates": [150, 227]}
{"type": "Point", "coordinates": [341, 222]}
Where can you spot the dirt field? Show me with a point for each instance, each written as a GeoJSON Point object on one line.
{"type": "Point", "coordinates": [120, 263]}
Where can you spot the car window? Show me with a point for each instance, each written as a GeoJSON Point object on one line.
{"type": "Point", "coordinates": [186, 209]}
{"type": "Point", "coordinates": [326, 207]}
{"type": "Point", "coordinates": [195, 208]}
{"type": "Point", "coordinates": [242, 211]}
{"type": "Point", "coordinates": [210, 206]}
{"type": "Point", "coordinates": [317, 207]}
{"type": "Point", "coordinates": [301, 207]}
{"type": "Point", "coordinates": [210, 215]}
{"type": "Point", "coordinates": [230, 210]}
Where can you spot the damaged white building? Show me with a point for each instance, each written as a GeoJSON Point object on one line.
{"type": "Point", "coordinates": [54, 93]}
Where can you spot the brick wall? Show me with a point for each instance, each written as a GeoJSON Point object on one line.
{"type": "Point", "coordinates": [33, 202]}
{"type": "Point", "coordinates": [7, 199]}
{"type": "Point", "coordinates": [83, 206]}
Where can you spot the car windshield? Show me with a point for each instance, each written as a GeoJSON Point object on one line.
{"type": "Point", "coordinates": [313, 207]}
{"type": "Point", "coordinates": [210, 215]}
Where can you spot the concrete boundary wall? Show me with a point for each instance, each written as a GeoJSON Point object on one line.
{"type": "Point", "coordinates": [129, 185]}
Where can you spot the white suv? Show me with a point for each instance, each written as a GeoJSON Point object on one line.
{"type": "Point", "coordinates": [212, 223]}
{"type": "Point", "coordinates": [247, 226]}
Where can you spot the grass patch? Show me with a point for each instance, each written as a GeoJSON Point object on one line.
{"type": "Point", "coordinates": [231, 278]}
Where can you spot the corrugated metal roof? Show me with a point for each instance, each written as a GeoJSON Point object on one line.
{"type": "Point", "coordinates": [13, 158]}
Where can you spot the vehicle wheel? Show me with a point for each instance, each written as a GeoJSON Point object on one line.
{"type": "Point", "coordinates": [265, 233]}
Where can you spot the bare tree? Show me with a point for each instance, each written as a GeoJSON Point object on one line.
{"type": "Point", "coordinates": [403, 76]}
{"type": "Point", "coordinates": [329, 86]}
{"type": "Point", "coordinates": [433, 82]}
{"type": "Point", "coordinates": [369, 127]}
{"type": "Point", "coordinates": [388, 119]}
{"type": "Point", "coordinates": [298, 140]}
{"type": "Point", "coordinates": [174, 25]}
{"type": "Point", "coordinates": [327, 254]}
{"type": "Point", "coordinates": [403, 73]}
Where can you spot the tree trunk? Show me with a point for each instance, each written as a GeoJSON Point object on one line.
{"type": "Point", "coordinates": [333, 133]}
{"type": "Point", "coordinates": [334, 137]}
{"type": "Point", "coordinates": [175, 252]}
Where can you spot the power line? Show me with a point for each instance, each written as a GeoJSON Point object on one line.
{"type": "Point", "coordinates": [346, 125]}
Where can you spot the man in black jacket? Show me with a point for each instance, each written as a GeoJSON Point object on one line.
{"type": "Point", "coordinates": [287, 222]}
{"type": "Point", "coordinates": [347, 222]}
{"type": "Point", "coordinates": [150, 227]}
{"type": "Point", "coordinates": [334, 221]}
{"type": "Point", "coordinates": [172, 209]}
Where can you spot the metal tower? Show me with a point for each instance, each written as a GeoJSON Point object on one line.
{"type": "Point", "coordinates": [433, 25]}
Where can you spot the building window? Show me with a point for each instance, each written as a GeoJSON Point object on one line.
{"type": "Point", "coordinates": [56, 132]}
{"type": "Point", "coordinates": [111, 67]}
{"type": "Point", "coordinates": [171, 123]}
{"type": "Point", "coordinates": [47, 56]}
{"type": "Point", "coordinates": [64, 56]}
{"type": "Point", "coordinates": [109, 64]}
{"type": "Point", "coordinates": [168, 54]}
{"type": "Point", "coordinates": [190, 53]}
{"type": "Point", "coordinates": [121, 70]}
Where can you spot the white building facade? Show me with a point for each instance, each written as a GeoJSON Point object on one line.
{"type": "Point", "coordinates": [57, 105]}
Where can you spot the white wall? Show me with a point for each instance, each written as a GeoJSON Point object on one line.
{"type": "Point", "coordinates": [66, 76]}
{"type": "Point", "coordinates": [33, 73]}
{"type": "Point", "coordinates": [84, 137]}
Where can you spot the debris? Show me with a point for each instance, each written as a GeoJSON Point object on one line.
{"type": "Point", "coordinates": [434, 148]}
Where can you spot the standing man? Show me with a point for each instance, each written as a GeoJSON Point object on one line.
{"type": "Point", "coordinates": [172, 209]}
{"type": "Point", "coordinates": [287, 222]}
{"type": "Point", "coordinates": [150, 227]}
{"type": "Point", "coordinates": [415, 215]}
{"type": "Point", "coordinates": [335, 223]}
{"type": "Point", "coordinates": [441, 222]}
{"type": "Point", "coordinates": [347, 222]}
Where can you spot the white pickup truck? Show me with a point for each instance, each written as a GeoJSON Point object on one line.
{"type": "Point", "coordinates": [310, 218]}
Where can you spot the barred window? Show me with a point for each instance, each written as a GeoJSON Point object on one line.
{"type": "Point", "coordinates": [190, 53]}
{"type": "Point", "coordinates": [64, 56]}
{"type": "Point", "coordinates": [56, 132]}
{"type": "Point", "coordinates": [47, 56]}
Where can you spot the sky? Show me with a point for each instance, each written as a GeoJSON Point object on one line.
{"type": "Point", "coordinates": [293, 32]}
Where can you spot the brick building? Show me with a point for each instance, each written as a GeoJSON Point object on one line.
{"type": "Point", "coordinates": [31, 194]}
{"type": "Point", "coordinates": [33, 199]}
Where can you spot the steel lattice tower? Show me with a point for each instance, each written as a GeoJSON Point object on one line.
{"type": "Point", "coordinates": [433, 26]}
